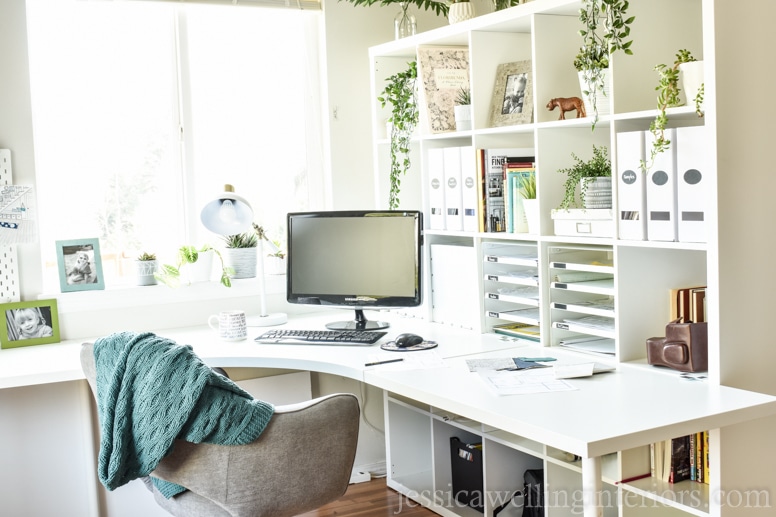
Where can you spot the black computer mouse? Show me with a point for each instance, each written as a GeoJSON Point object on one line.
{"type": "Point", "coordinates": [405, 340]}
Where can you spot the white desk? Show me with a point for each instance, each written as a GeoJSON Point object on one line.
{"type": "Point", "coordinates": [610, 412]}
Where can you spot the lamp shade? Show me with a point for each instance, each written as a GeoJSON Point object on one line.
{"type": "Point", "coordinates": [227, 214]}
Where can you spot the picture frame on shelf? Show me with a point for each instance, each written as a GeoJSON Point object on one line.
{"type": "Point", "coordinates": [29, 323]}
{"type": "Point", "coordinates": [80, 265]}
{"type": "Point", "coordinates": [512, 101]}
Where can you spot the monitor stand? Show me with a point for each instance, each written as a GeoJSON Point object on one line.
{"type": "Point", "coordinates": [360, 323]}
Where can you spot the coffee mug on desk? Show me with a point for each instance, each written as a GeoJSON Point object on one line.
{"type": "Point", "coordinates": [230, 325]}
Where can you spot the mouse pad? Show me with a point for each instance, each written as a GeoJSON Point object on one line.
{"type": "Point", "coordinates": [391, 346]}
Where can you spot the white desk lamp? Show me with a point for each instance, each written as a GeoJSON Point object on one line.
{"type": "Point", "coordinates": [230, 214]}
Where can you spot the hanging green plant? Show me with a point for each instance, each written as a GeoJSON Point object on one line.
{"type": "Point", "coordinates": [599, 166]}
{"type": "Point", "coordinates": [668, 97]}
{"type": "Point", "coordinates": [598, 46]}
{"type": "Point", "coordinates": [400, 94]}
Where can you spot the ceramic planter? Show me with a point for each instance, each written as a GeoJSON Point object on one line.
{"type": "Point", "coordinates": [242, 260]}
{"type": "Point", "coordinates": [144, 272]}
{"type": "Point", "coordinates": [463, 116]}
{"type": "Point", "coordinates": [459, 12]}
{"type": "Point", "coordinates": [602, 99]}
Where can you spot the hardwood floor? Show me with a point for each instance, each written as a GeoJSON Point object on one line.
{"type": "Point", "coordinates": [371, 499]}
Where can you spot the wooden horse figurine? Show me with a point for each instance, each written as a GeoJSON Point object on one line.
{"type": "Point", "coordinates": [567, 104]}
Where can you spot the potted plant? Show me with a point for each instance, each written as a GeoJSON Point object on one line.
{"type": "Point", "coordinates": [670, 95]}
{"type": "Point", "coordinates": [463, 109]}
{"type": "Point", "coordinates": [592, 60]}
{"type": "Point", "coordinates": [189, 256]}
{"type": "Point", "coordinates": [498, 5]}
{"type": "Point", "coordinates": [145, 267]}
{"type": "Point", "coordinates": [399, 92]}
{"type": "Point", "coordinates": [594, 179]}
{"type": "Point", "coordinates": [240, 253]}
{"type": "Point", "coordinates": [527, 191]}
{"type": "Point", "coordinates": [460, 10]}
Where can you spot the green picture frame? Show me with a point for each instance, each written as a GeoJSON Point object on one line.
{"type": "Point", "coordinates": [29, 323]}
{"type": "Point", "coordinates": [80, 265]}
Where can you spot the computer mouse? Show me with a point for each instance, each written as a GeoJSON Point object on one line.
{"type": "Point", "coordinates": [405, 340]}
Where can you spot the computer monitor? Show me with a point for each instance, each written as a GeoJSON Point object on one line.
{"type": "Point", "coordinates": [355, 259]}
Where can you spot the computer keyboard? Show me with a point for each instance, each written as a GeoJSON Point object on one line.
{"type": "Point", "coordinates": [320, 337]}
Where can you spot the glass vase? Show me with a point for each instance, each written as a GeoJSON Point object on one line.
{"type": "Point", "coordinates": [404, 24]}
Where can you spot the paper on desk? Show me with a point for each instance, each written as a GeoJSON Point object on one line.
{"type": "Point", "coordinates": [421, 360]}
{"type": "Point", "coordinates": [523, 382]}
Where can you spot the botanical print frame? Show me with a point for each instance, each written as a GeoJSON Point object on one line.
{"type": "Point", "coordinates": [29, 323]}
{"type": "Point", "coordinates": [512, 101]}
{"type": "Point", "coordinates": [80, 265]}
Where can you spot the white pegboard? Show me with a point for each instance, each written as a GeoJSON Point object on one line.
{"type": "Point", "coordinates": [9, 271]}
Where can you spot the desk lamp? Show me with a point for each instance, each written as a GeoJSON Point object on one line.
{"type": "Point", "coordinates": [230, 214]}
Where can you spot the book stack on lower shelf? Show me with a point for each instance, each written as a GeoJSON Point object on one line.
{"type": "Point", "coordinates": [681, 459]}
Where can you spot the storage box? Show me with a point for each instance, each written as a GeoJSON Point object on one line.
{"type": "Point", "coordinates": [467, 476]}
{"type": "Point", "coordinates": [584, 222]}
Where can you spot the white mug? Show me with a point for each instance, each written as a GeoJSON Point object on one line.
{"type": "Point", "coordinates": [230, 325]}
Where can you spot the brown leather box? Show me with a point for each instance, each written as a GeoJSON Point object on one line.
{"type": "Point", "coordinates": [685, 347]}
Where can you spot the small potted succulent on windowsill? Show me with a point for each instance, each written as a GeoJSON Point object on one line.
{"type": "Point", "coordinates": [240, 253]}
{"type": "Point", "coordinates": [145, 267]}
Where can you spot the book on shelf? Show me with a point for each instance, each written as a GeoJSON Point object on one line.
{"type": "Point", "coordinates": [514, 176]}
{"type": "Point", "coordinates": [519, 330]}
{"type": "Point", "coordinates": [491, 169]}
{"type": "Point", "coordinates": [688, 303]}
{"type": "Point", "coordinates": [680, 459]}
{"type": "Point", "coordinates": [442, 72]}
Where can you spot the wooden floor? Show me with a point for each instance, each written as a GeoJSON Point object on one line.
{"type": "Point", "coordinates": [371, 499]}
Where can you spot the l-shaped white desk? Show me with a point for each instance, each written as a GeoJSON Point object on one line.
{"type": "Point", "coordinates": [629, 408]}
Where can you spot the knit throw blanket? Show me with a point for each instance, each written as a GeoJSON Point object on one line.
{"type": "Point", "coordinates": [151, 391]}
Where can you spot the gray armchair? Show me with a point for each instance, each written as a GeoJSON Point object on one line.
{"type": "Point", "coordinates": [301, 461]}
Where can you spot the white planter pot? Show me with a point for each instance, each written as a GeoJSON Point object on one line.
{"type": "Point", "coordinates": [242, 260]}
{"type": "Point", "coordinates": [531, 210]}
{"type": "Point", "coordinates": [602, 99]}
{"type": "Point", "coordinates": [144, 272]}
{"type": "Point", "coordinates": [690, 80]}
{"type": "Point", "coordinates": [199, 271]}
{"type": "Point", "coordinates": [460, 11]}
{"type": "Point", "coordinates": [463, 116]}
{"type": "Point", "coordinates": [598, 192]}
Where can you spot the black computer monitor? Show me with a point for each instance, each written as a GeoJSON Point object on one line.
{"type": "Point", "coordinates": [355, 259]}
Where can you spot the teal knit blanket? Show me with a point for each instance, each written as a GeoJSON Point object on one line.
{"type": "Point", "coordinates": [151, 391]}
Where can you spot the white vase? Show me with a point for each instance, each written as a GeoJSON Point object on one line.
{"type": "Point", "coordinates": [598, 192]}
{"type": "Point", "coordinates": [602, 99]}
{"type": "Point", "coordinates": [691, 79]}
{"type": "Point", "coordinates": [199, 271]}
{"type": "Point", "coordinates": [459, 12]}
{"type": "Point", "coordinates": [531, 210]}
{"type": "Point", "coordinates": [144, 272]}
{"type": "Point", "coordinates": [242, 260]}
{"type": "Point", "coordinates": [463, 116]}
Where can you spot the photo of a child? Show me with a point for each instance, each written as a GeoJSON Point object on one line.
{"type": "Point", "coordinates": [29, 323]}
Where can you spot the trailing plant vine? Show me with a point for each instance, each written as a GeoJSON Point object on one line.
{"type": "Point", "coordinates": [400, 94]}
{"type": "Point", "coordinates": [668, 97]}
{"type": "Point", "coordinates": [598, 46]}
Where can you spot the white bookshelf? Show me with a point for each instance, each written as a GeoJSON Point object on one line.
{"type": "Point", "coordinates": [642, 272]}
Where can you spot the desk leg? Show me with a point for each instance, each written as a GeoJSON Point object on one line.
{"type": "Point", "coordinates": [591, 487]}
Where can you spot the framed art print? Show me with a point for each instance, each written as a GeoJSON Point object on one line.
{"type": "Point", "coordinates": [29, 323]}
{"type": "Point", "coordinates": [80, 266]}
{"type": "Point", "coordinates": [512, 101]}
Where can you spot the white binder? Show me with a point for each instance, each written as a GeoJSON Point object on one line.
{"type": "Point", "coordinates": [453, 191]}
{"type": "Point", "coordinates": [661, 191]}
{"type": "Point", "coordinates": [631, 187]}
{"type": "Point", "coordinates": [469, 193]}
{"type": "Point", "coordinates": [692, 179]}
{"type": "Point", "coordinates": [436, 190]}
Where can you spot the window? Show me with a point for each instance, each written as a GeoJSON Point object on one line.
{"type": "Point", "coordinates": [143, 111]}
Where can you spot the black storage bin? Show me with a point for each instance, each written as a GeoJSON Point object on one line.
{"type": "Point", "coordinates": [466, 467]}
